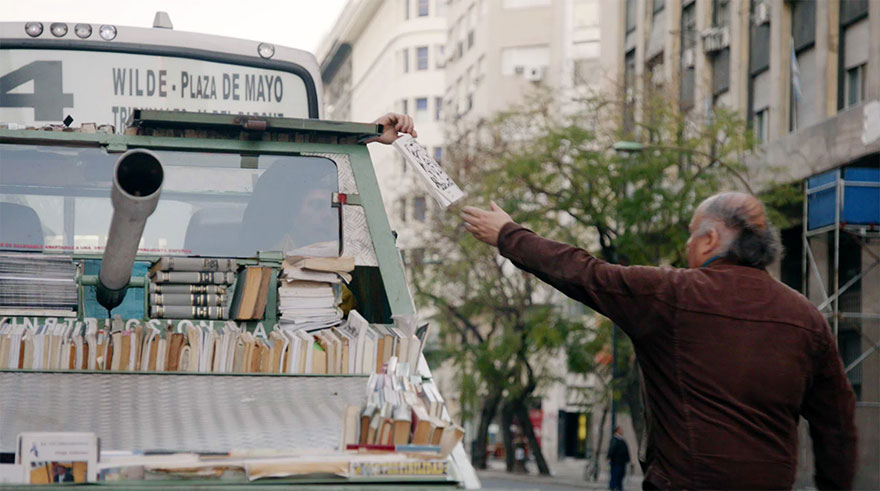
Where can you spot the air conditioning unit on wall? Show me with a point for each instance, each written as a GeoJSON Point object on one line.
{"type": "Point", "coordinates": [761, 15]}
{"type": "Point", "coordinates": [716, 39]}
{"type": "Point", "coordinates": [534, 73]}
{"type": "Point", "coordinates": [687, 58]}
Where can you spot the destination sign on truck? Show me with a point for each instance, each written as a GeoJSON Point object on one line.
{"type": "Point", "coordinates": [40, 87]}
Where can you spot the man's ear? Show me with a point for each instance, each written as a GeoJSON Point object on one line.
{"type": "Point", "coordinates": [709, 244]}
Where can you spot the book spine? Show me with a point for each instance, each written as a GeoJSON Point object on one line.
{"type": "Point", "coordinates": [200, 277]}
{"type": "Point", "coordinates": [187, 312]}
{"type": "Point", "coordinates": [195, 264]}
{"type": "Point", "coordinates": [188, 289]}
{"type": "Point", "coordinates": [187, 300]}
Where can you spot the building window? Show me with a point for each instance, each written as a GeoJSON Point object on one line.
{"type": "Point", "coordinates": [721, 72]}
{"type": "Point", "coordinates": [406, 9]}
{"type": "Point", "coordinates": [720, 13]}
{"type": "Point", "coordinates": [470, 39]}
{"type": "Point", "coordinates": [761, 125]}
{"type": "Point", "coordinates": [852, 11]}
{"type": "Point", "coordinates": [630, 15]}
{"type": "Point", "coordinates": [404, 106]}
{"type": "Point", "coordinates": [855, 85]}
{"type": "Point", "coordinates": [460, 50]}
{"type": "Point", "coordinates": [438, 154]}
{"type": "Point", "coordinates": [403, 163]}
{"type": "Point", "coordinates": [438, 108]}
{"type": "Point", "coordinates": [658, 6]}
{"type": "Point", "coordinates": [421, 108]}
{"type": "Point", "coordinates": [405, 59]}
{"type": "Point", "coordinates": [402, 207]}
{"type": "Point", "coordinates": [440, 55]}
{"type": "Point", "coordinates": [803, 24]}
{"type": "Point", "coordinates": [469, 102]}
{"type": "Point", "coordinates": [420, 208]}
{"type": "Point", "coordinates": [629, 87]}
{"type": "Point", "coordinates": [422, 58]}
{"type": "Point", "coordinates": [759, 50]}
{"type": "Point", "coordinates": [423, 8]}
{"type": "Point", "coordinates": [688, 55]}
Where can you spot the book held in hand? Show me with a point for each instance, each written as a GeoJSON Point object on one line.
{"type": "Point", "coordinates": [438, 182]}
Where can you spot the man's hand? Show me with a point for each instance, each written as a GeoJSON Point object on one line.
{"type": "Point", "coordinates": [485, 225]}
{"type": "Point", "coordinates": [392, 124]}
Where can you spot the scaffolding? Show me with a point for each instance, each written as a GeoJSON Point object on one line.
{"type": "Point", "coordinates": [842, 201]}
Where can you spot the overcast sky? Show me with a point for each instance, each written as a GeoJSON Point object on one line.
{"type": "Point", "coordinates": [293, 23]}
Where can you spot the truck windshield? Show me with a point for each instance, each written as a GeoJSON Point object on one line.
{"type": "Point", "coordinates": [57, 199]}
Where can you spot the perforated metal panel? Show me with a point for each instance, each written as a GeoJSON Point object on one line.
{"type": "Point", "coordinates": [356, 239]}
{"type": "Point", "coordinates": [179, 412]}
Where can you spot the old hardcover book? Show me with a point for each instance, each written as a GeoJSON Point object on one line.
{"type": "Point", "coordinates": [193, 264]}
{"type": "Point", "coordinates": [172, 357]}
{"type": "Point", "coordinates": [188, 289]}
{"type": "Point", "coordinates": [265, 284]}
{"type": "Point", "coordinates": [402, 422]}
{"type": "Point", "coordinates": [187, 299]}
{"type": "Point", "coordinates": [250, 291]}
{"type": "Point", "coordinates": [342, 264]}
{"type": "Point", "coordinates": [192, 277]}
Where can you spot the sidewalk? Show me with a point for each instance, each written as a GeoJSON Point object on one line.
{"type": "Point", "coordinates": [566, 473]}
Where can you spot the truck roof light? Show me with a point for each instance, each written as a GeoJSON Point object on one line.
{"type": "Point", "coordinates": [58, 29]}
{"type": "Point", "coordinates": [266, 50]}
{"type": "Point", "coordinates": [107, 32]}
{"type": "Point", "coordinates": [33, 29]}
{"type": "Point", "coordinates": [83, 30]}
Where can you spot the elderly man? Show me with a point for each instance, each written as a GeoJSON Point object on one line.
{"type": "Point", "coordinates": [731, 357]}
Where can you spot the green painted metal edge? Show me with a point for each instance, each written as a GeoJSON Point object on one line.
{"type": "Point", "coordinates": [170, 142]}
{"type": "Point", "coordinates": [390, 267]}
{"type": "Point", "coordinates": [202, 120]}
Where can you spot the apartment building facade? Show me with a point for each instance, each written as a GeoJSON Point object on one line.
{"type": "Point", "coordinates": [805, 74]}
{"type": "Point", "coordinates": [499, 51]}
{"type": "Point", "coordinates": [382, 56]}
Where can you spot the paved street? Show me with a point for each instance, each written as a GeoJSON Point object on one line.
{"type": "Point", "coordinates": [567, 475]}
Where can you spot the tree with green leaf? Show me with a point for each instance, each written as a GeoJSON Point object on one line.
{"type": "Point", "coordinates": [581, 176]}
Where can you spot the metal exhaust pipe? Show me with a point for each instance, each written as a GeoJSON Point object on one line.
{"type": "Point", "coordinates": [137, 182]}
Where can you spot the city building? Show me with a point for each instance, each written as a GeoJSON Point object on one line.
{"type": "Point", "coordinates": [498, 51]}
{"type": "Point", "coordinates": [806, 76]}
{"type": "Point", "coordinates": [382, 56]}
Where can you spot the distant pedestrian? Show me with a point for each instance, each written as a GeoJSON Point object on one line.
{"type": "Point", "coordinates": [618, 456]}
{"type": "Point", "coordinates": [731, 357]}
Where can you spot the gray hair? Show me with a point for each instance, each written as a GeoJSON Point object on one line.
{"type": "Point", "coordinates": [740, 221]}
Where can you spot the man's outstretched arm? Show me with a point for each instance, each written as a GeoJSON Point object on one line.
{"type": "Point", "coordinates": [630, 296]}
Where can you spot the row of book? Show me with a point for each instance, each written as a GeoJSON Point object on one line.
{"type": "Point", "coordinates": [191, 287]}
{"type": "Point", "coordinates": [401, 410]}
{"type": "Point", "coordinates": [353, 347]}
{"type": "Point", "coordinates": [37, 284]}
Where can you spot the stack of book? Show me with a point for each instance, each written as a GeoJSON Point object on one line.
{"type": "Point", "coordinates": [37, 284]}
{"type": "Point", "coordinates": [401, 411]}
{"type": "Point", "coordinates": [190, 288]}
{"type": "Point", "coordinates": [307, 298]}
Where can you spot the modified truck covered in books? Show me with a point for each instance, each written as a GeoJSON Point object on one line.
{"type": "Point", "coordinates": [197, 281]}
